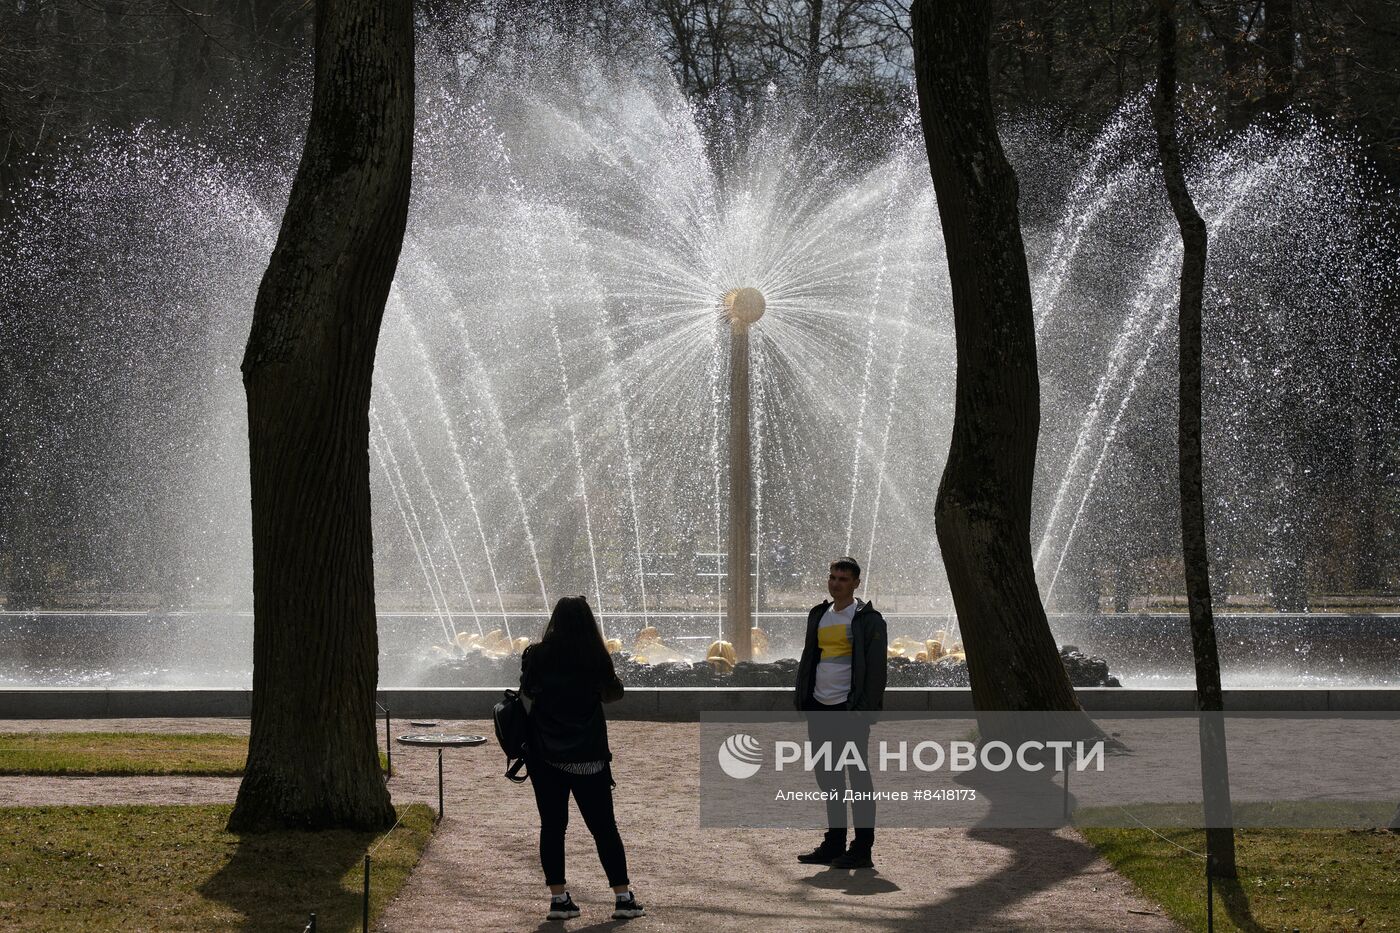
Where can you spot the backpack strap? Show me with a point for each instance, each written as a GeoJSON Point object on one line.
{"type": "Point", "coordinates": [513, 771]}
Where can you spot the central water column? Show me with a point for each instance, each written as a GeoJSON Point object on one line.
{"type": "Point", "coordinates": [742, 307]}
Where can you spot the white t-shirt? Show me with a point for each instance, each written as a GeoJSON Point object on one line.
{"type": "Point", "coordinates": [833, 683]}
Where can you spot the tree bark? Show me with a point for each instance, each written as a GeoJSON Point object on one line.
{"type": "Point", "coordinates": [312, 755]}
{"type": "Point", "coordinates": [189, 70]}
{"type": "Point", "coordinates": [812, 65]}
{"type": "Point", "coordinates": [984, 501]}
{"type": "Point", "coordinates": [1220, 839]}
{"type": "Point", "coordinates": [1279, 47]}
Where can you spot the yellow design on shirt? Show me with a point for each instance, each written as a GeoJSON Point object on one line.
{"type": "Point", "coordinates": [834, 641]}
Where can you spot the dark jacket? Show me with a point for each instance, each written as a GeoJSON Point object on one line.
{"type": "Point", "coordinates": [566, 717]}
{"type": "Point", "coordinates": [869, 659]}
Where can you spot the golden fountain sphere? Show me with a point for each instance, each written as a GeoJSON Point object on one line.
{"type": "Point", "coordinates": [744, 305]}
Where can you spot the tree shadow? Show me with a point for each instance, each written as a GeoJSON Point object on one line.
{"type": "Point", "coordinates": [1236, 902]}
{"type": "Point", "coordinates": [1040, 859]}
{"type": "Point", "coordinates": [275, 880]}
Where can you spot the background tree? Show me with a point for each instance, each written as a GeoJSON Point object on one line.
{"type": "Point", "coordinates": [1220, 839]}
{"type": "Point", "coordinates": [68, 65]}
{"type": "Point", "coordinates": [75, 74]}
{"type": "Point", "coordinates": [984, 501]}
{"type": "Point", "coordinates": [312, 754]}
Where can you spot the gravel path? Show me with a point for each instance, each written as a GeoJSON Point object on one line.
{"type": "Point", "coordinates": [480, 871]}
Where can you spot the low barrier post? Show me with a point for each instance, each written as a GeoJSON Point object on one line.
{"type": "Point", "coordinates": [1210, 900]}
{"type": "Point", "coordinates": [364, 914]}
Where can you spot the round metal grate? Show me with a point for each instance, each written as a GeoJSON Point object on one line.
{"type": "Point", "coordinates": [441, 739]}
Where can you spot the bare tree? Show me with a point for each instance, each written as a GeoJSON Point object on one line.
{"type": "Point", "coordinates": [1280, 49]}
{"type": "Point", "coordinates": [815, 42]}
{"type": "Point", "coordinates": [312, 758]}
{"type": "Point", "coordinates": [984, 501]}
{"type": "Point", "coordinates": [706, 44]}
{"type": "Point", "coordinates": [1220, 838]}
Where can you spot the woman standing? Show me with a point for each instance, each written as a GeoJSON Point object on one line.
{"type": "Point", "coordinates": [568, 677]}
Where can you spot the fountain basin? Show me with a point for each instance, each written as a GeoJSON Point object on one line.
{"type": "Point", "coordinates": [213, 650]}
{"type": "Point", "coordinates": [655, 703]}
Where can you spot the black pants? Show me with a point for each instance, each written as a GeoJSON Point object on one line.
{"type": "Point", "coordinates": [593, 794]}
{"type": "Point", "coordinates": [840, 728]}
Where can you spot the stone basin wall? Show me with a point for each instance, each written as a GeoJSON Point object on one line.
{"type": "Point", "coordinates": [482, 670]}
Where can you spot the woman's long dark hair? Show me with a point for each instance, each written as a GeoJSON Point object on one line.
{"type": "Point", "coordinates": [574, 636]}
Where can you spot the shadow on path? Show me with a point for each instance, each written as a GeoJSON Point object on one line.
{"type": "Point", "coordinates": [567, 926]}
{"type": "Point", "coordinates": [852, 881]}
{"type": "Point", "coordinates": [1040, 861]}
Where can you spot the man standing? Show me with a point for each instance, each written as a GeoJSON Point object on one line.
{"type": "Point", "coordinates": [840, 679]}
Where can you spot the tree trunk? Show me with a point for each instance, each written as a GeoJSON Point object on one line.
{"type": "Point", "coordinates": [984, 501]}
{"type": "Point", "coordinates": [1279, 51]}
{"type": "Point", "coordinates": [812, 66]}
{"type": "Point", "coordinates": [114, 62]}
{"type": "Point", "coordinates": [312, 759]}
{"type": "Point", "coordinates": [1234, 49]}
{"type": "Point", "coordinates": [189, 71]}
{"type": "Point", "coordinates": [1220, 840]}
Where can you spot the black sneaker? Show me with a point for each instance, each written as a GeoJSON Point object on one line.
{"type": "Point", "coordinates": [629, 908]}
{"type": "Point", "coordinates": [562, 910]}
{"type": "Point", "coordinates": [854, 857]}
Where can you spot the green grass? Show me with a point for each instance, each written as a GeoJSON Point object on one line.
{"type": "Point", "coordinates": [1289, 879]}
{"type": "Point", "coordinates": [124, 753]}
{"type": "Point", "coordinates": [174, 868]}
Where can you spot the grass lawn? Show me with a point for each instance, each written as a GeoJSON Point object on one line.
{"type": "Point", "coordinates": [1309, 880]}
{"type": "Point", "coordinates": [174, 868]}
{"type": "Point", "coordinates": [123, 753]}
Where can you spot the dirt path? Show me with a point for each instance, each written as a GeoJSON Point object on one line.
{"type": "Point", "coordinates": [481, 872]}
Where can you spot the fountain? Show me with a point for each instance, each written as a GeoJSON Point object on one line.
{"type": "Point", "coordinates": [574, 391]}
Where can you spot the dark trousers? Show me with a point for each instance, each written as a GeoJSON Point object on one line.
{"type": "Point", "coordinates": [593, 794]}
{"type": "Point", "coordinates": [839, 728]}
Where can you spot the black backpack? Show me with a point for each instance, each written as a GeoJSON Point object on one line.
{"type": "Point", "coordinates": [512, 719]}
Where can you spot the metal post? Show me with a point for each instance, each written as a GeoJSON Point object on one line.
{"type": "Point", "coordinates": [738, 615]}
{"type": "Point", "coordinates": [1210, 900]}
{"type": "Point", "coordinates": [364, 917]}
{"type": "Point", "coordinates": [388, 746]}
{"type": "Point", "coordinates": [310, 925]}
{"type": "Point", "coordinates": [741, 307]}
{"type": "Point", "coordinates": [439, 785]}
